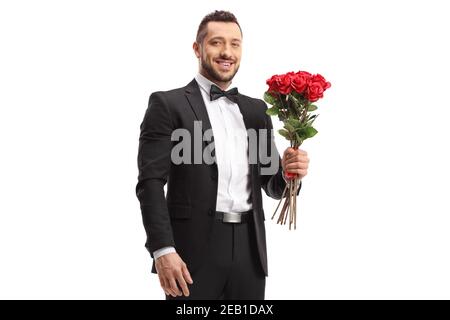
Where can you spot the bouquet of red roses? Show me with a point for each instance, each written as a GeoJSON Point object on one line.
{"type": "Point", "coordinates": [291, 96]}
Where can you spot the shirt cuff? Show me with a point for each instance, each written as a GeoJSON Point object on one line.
{"type": "Point", "coordinates": [163, 251]}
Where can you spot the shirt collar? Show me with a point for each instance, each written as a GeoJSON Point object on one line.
{"type": "Point", "coordinates": [205, 83]}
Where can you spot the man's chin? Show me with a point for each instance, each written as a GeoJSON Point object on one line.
{"type": "Point", "coordinates": [225, 76]}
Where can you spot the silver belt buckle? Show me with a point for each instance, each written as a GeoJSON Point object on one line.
{"type": "Point", "coordinates": [230, 217]}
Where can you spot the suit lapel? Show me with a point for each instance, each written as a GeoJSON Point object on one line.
{"type": "Point", "coordinates": [246, 111]}
{"type": "Point", "coordinates": [249, 116]}
{"type": "Point", "coordinates": [197, 104]}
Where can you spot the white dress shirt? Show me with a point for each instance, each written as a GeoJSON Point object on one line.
{"type": "Point", "coordinates": [231, 150]}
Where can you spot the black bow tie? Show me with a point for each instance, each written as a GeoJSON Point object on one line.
{"type": "Point", "coordinates": [216, 93]}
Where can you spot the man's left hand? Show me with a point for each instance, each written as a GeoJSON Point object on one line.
{"type": "Point", "coordinates": [295, 161]}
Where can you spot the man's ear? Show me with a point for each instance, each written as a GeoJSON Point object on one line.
{"type": "Point", "coordinates": [196, 48]}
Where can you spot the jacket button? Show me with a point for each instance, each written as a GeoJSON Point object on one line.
{"type": "Point", "coordinates": [210, 212]}
{"type": "Point", "coordinates": [214, 175]}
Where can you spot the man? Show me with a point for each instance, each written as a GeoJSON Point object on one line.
{"type": "Point", "coordinates": [207, 237]}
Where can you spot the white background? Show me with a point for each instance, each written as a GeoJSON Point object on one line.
{"type": "Point", "coordinates": [75, 77]}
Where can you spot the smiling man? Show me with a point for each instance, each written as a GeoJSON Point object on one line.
{"type": "Point", "coordinates": [207, 236]}
{"type": "Point", "coordinates": [215, 63]}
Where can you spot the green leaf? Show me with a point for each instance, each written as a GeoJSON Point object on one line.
{"type": "Point", "coordinates": [289, 127]}
{"type": "Point", "coordinates": [311, 119]}
{"type": "Point", "coordinates": [284, 133]}
{"type": "Point", "coordinates": [306, 132]}
{"type": "Point", "coordinates": [301, 134]}
{"type": "Point", "coordinates": [300, 97]}
{"type": "Point", "coordinates": [298, 138]}
{"type": "Point", "coordinates": [269, 98]}
{"type": "Point", "coordinates": [295, 123]}
{"type": "Point", "coordinates": [272, 111]}
{"type": "Point", "coordinates": [310, 132]}
{"type": "Point", "coordinates": [312, 107]}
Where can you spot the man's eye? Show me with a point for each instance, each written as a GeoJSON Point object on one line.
{"type": "Point", "coordinates": [215, 42]}
{"type": "Point", "coordinates": [236, 45]}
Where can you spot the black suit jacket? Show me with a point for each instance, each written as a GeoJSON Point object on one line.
{"type": "Point", "coordinates": [184, 217]}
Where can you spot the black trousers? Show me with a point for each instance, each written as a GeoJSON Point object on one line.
{"type": "Point", "coordinates": [231, 269]}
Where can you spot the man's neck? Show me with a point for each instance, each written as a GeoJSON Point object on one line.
{"type": "Point", "coordinates": [222, 85]}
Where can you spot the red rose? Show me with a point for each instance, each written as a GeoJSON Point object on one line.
{"type": "Point", "coordinates": [314, 91]}
{"type": "Point", "coordinates": [280, 83]}
{"type": "Point", "coordinates": [300, 80]}
{"type": "Point", "coordinates": [273, 84]}
{"type": "Point", "coordinates": [316, 87]}
{"type": "Point", "coordinates": [324, 83]}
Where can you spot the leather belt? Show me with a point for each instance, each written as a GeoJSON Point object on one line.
{"type": "Point", "coordinates": [233, 217]}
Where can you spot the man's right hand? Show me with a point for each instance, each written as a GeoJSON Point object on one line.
{"type": "Point", "coordinates": [172, 270]}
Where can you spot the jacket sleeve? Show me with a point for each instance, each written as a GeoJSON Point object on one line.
{"type": "Point", "coordinates": [154, 165]}
{"type": "Point", "coordinates": [273, 185]}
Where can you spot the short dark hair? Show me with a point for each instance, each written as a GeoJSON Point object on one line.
{"type": "Point", "coordinates": [219, 16]}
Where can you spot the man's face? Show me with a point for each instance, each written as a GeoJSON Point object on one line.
{"type": "Point", "coordinates": [220, 52]}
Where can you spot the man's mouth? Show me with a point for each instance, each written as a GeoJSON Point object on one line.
{"type": "Point", "coordinates": [224, 65]}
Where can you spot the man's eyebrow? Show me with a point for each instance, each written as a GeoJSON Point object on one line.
{"type": "Point", "coordinates": [217, 38]}
{"type": "Point", "coordinates": [222, 38]}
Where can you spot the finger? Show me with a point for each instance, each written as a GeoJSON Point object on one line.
{"type": "Point", "coordinates": [296, 165]}
{"type": "Point", "coordinates": [168, 288]}
{"type": "Point", "coordinates": [171, 292]}
{"type": "Point", "coordinates": [187, 275]}
{"type": "Point", "coordinates": [286, 159]}
{"type": "Point", "coordinates": [174, 287]}
{"type": "Point", "coordinates": [299, 155]}
{"type": "Point", "coordinates": [183, 284]}
{"type": "Point", "coordinates": [164, 285]}
{"type": "Point", "coordinates": [288, 152]}
{"type": "Point", "coordinates": [298, 158]}
{"type": "Point", "coordinates": [301, 172]}
{"type": "Point", "coordinates": [302, 158]}
{"type": "Point", "coordinates": [296, 154]}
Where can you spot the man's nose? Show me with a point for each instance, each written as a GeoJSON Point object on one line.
{"type": "Point", "coordinates": [226, 51]}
